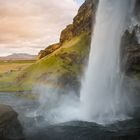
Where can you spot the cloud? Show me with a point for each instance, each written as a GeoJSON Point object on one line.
{"type": "Point", "coordinates": [33, 23]}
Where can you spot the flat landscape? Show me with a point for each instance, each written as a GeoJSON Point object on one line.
{"type": "Point", "coordinates": [9, 71]}
{"type": "Point", "coordinates": [14, 65]}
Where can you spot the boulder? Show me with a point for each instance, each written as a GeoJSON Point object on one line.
{"type": "Point", "coordinates": [10, 127]}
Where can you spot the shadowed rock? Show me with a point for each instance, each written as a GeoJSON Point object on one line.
{"type": "Point", "coordinates": [10, 127]}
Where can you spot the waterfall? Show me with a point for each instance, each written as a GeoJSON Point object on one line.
{"type": "Point", "coordinates": [102, 95]}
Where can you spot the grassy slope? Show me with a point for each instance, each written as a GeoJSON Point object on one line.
{"type": "Point", "coordinates": [66, 60]}
{"type": "Point", "coordinates": [9, 70]}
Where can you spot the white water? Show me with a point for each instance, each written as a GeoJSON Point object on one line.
{"type": "Point", "coordinates": [102, 95]}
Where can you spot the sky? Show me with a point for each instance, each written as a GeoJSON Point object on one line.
{"type": "Point", "coordinates": [27, 26]}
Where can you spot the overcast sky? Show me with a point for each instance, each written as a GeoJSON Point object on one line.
{"type": "Point", "coordinates": [27, 26]}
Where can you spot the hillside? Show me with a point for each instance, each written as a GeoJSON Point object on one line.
{"type": "Point", "coordinates": [82, 22]}
{"type": "Point", "coordinates": [60, 68]}
{"type": "Point", "coordinates": [62, 64]}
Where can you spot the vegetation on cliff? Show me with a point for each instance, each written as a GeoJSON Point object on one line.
{"type": "Point", "coordinates": [82, 23]}
{"type": "Point", "coordinates": [61, 64]}
{"type": "Point", "coordinates": [60, 68]}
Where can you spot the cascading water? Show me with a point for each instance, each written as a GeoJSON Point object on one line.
{"type": "Point", "coordinates": [102, 95]}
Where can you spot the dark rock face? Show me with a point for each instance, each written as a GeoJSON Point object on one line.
{"type": "Point", "coordinates": [131, 52]}
{"type": "Point", "coordinates": [137, 10]}
{"type": "Point", "coordinates": [10, 128]}
{"type": "Point", "coordinates": [82, 22]}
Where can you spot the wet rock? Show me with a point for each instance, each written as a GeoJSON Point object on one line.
{"type": "Point", "coordinates": [10, 127]}
{"type": "Point", "coordinates": [130, 53]}
{"type": "Point", "coordinates": [137, 10]}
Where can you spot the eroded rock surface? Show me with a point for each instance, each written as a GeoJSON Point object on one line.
{"type": "Point", "coordinates": [131, 52]}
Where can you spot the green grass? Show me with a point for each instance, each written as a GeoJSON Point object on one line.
{"type": "Point", "coordinates": [9, 71]}
{"type": "Point", "coordinates": [66, 60]}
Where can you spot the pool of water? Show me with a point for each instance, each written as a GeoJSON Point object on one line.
{"type": "Point", "coordinates": [36, 128]}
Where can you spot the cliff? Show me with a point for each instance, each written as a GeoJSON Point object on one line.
{"type": "Point", "coordinates": [62, 64]}
{"type": "Point", "coordinates": [131, 52]}
{"type": "Point", "coordinates": [137, 10]}
{"type": "Point", "coordinates": [82, 22]}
